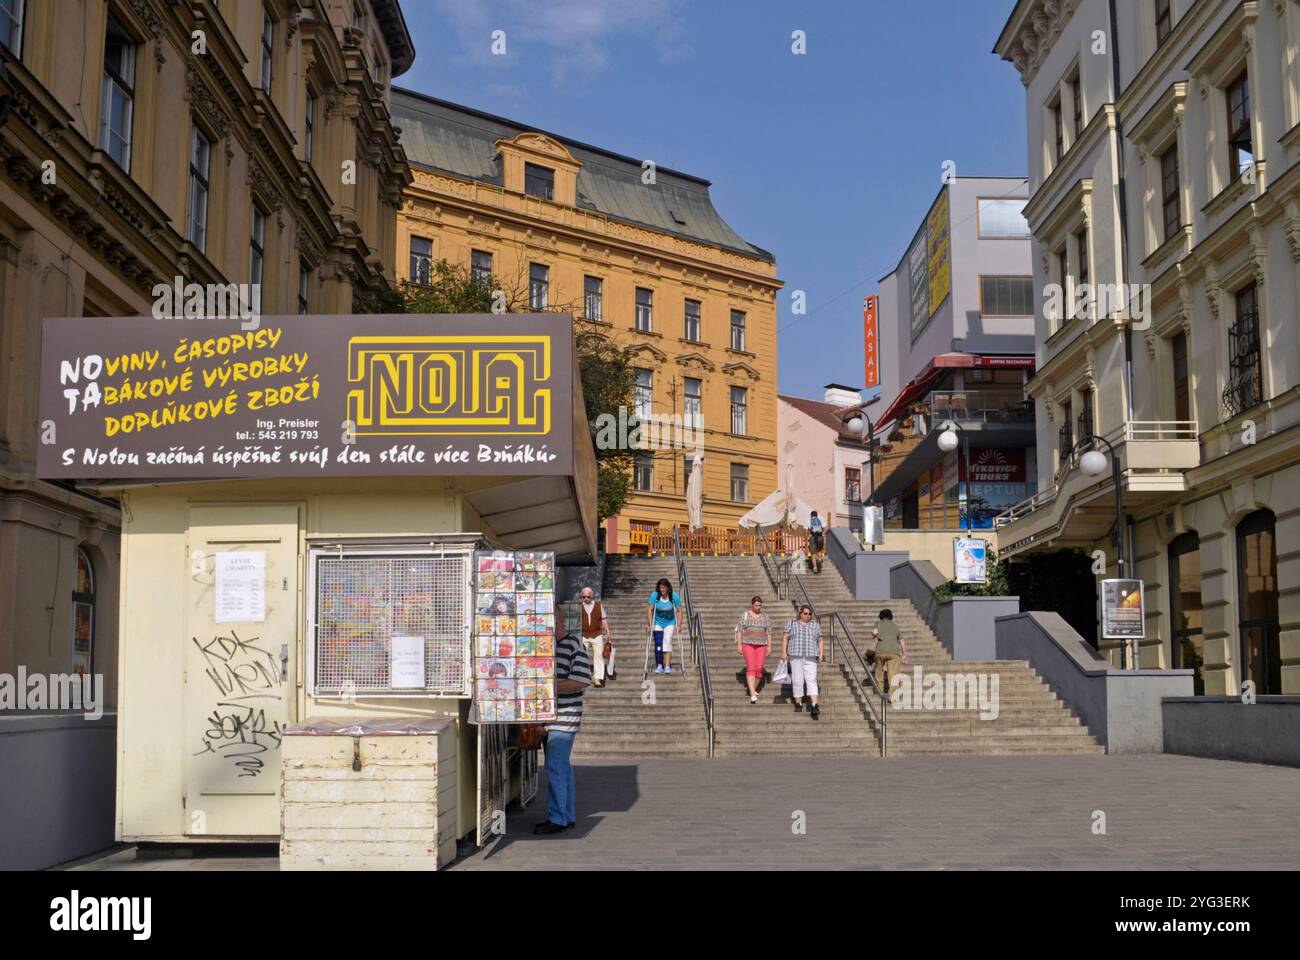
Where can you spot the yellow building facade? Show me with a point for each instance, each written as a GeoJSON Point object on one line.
{"type": "Point", "coordinates": [634, 252]}
{"type": "Point", "coordinates": [154, 143]}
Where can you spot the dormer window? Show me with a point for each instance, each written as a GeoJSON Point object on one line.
{"type": "Point", "coordinates": [539, 181]}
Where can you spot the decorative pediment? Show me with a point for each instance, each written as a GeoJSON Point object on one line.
{"type": "Point", "coordinates": [695, 361]}
{"type": "Point", "coordinates": [642, 351]}
{"type": "Point", "coordinates": [1029, 35]}
{"type": "Point", "coordinates": [541, 143]}
{"type": "Point", "coordinates": [739, 369]}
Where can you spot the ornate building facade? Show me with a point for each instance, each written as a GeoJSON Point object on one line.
{"type": "Point", "coordinates": [1164, 176]}
{"type": "Point", "coordinates": [161, 142]}
{"type": "Point", "coordinates": [636, 253]}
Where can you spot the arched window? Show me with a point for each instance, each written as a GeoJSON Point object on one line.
{"type": "Point", "coordinates": [1187, 650]}
{"type": "Point", "coordinates": [83, 616]}
{"type": "Point", "coordinates": [1257, 611]}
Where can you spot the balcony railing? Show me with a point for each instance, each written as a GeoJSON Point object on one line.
{"type": "Point", "coordinates": [989, 406]}
{"type": "Point", "coordinates": [1142, 443]}
{"type": "Point", "coordinates": [1243, 392]}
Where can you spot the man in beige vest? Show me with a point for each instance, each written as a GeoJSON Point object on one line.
{"type": "Point", "coordinates": [595, 631]}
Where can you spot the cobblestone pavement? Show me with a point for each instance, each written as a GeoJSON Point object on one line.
{"type": "Point", "coordinates": [1004, 813]}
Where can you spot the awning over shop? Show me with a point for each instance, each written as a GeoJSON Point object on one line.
{"type": "Point", "coordinates": [919, 385]}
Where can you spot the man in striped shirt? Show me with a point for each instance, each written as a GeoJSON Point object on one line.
{"type": "Point", "coordinates": [572, 677]}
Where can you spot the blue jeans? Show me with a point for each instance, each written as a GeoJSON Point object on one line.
{"type": "Point", "coordinates": [561, 800]}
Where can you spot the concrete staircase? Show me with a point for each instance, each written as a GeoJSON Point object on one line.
{"type": "Point", "coordinates": [617, 722]}
{"type": "Point", "coordinates": [1031, 718]}
{"type": "Point", "coordinates": [721, 589]}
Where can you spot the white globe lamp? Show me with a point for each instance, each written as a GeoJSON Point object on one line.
{"type": "Point", "coordinates": [948, 441]}
{"type": "Point", "coordinates": [1094, 463]}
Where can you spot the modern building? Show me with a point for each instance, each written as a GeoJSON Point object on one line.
{"type": "Point", "coordinates": [635, 252]}
{"type": "Point", "coordinates": [160, 143]}
{"type": "Point", "coordinates": [828, 458]}
{"type": "Point", "coordinates": [1165, 207]}
{"type": "Point", "coordinates": [956, 343]}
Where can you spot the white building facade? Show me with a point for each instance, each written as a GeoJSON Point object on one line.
{"type": "Point", "coordinates": [1164, 162]}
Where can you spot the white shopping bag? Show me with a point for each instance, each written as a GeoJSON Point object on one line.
{"type": "Point", "coordinates": [782, 672]}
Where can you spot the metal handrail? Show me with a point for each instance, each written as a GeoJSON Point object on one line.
{"type": "Point", "coordinates": [699, 651]}
{"type": "Point", "coordinates": [782, 577]}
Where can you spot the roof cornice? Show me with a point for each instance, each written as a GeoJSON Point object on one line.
{"type": "Point", "coordinates": [1030, 32]}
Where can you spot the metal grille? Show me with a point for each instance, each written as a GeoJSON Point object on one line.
{"type": "Point", "coordinates": [363, 602]}
{"type": "Point", "coordinates": [493, 777]}
{"type": "Point", "coordinates": [528, 776]}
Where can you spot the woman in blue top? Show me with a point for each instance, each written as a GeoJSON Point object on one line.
{"type": "Point", "coordinates": [661, 617]}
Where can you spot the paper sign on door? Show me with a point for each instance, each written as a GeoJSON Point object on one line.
{"type": "Point", "coordinates": [241, 587]}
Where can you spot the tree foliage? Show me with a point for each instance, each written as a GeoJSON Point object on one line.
{"type": "Point", "coordinates": [608, 380]}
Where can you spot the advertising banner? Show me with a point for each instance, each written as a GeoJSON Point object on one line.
{"type": "Point", "coordinates": [1123, 610]}
{"type": "Point", "coordinates": [939, 269]}
{"type": "Point", "coordinates": [918, 258]}
{"type": "Point", "coordinates": [365, 395]}
{"type": "Point", "coordinates": [870, 343]}
{"type": "Point", "coordinates": [970, 560]}
{"type": "Point", "coordinates": [873, 525]}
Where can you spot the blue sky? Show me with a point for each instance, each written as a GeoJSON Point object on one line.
{"type": "Point", "coordinates": [829, 159]}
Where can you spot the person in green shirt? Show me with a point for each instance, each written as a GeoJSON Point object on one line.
{"type": "Point", "coordinates": [891, 649]}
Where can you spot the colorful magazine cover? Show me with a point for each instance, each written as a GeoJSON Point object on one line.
{"type": "Point", "coordinates": [494, 667]}
{"type": "Point", "coordinates": [526, 647]}
{"type": "Point", "coordinates": [498, 711]}
{"type": "Point", "coordinates": [495, 689]}
{"type": "Point", "coordinates": [543, 645]}
{"type": "Point", "coordinates": [483, 625]}
{"type": "Point", "coordinates": [545, 582]}
{"type": "Point", "coordinates": [525, 581]}
{"type": "Point", "coordinates": [534, 667]}
{"type": "Point", "coordinates": [490, 646]}
{"type": "Point", "coordinates": [537, 623]}
{"type": "Point", "coordinates": [505, 626]}
{"type": "Point", "coordinates": [535, 689]}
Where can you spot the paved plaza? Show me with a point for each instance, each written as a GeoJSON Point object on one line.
{"type": "Point", "coordinates": [1002, 813]}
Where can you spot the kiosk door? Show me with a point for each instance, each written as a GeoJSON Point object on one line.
{"type": "Point", "coordinates": [241, 650]}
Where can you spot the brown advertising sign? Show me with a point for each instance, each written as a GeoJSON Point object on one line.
{"type": "Point", "coordinates": [366, 395]}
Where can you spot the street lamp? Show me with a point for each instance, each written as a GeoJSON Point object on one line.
{"type": "Point", "coordinates": [948, 441]}
{"type": "Point", "coordinates": [1094, 463]}
{"type": "Point", "coordinates": [861, 424]}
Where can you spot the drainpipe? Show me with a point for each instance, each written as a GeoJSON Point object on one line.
{"type": "Point", "coordinates": [1123, 230]}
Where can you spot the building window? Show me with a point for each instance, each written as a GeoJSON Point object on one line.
{"type": "Point", "coordinates": [1182, 381]}
{"type": "Point", "coordinates": [1241, 150]}
{"type": "Point", "coordinates": [11, 26]}
{"type": "Point", "coordinates": [1076, 103]}
{"type": "Point", "coordinates": [200, 157]}
{"type": "Point", "coordinates": [853, 484]}
{"type": "Point", "coordinates": [83, 616]}
{"type": "Point", "coordinates": [539, 286]}
{"type": "Point", "coordinates": [257, 246]}
{"type": "Point", "coordinates": [268, 45]}
{"type": "Point", "coordinates": [738, 330]}
{"type": "Point", "coordinates": [1169, 191]}
{"type": "Point", "coordinates": [539, 181]}
{"type": "Point", "coordinates": [1007, 296]}
{"type": "Point", "coordinates": [1082, 273]}
{"type": "Point", "coordinates": [1058, 125]}
{"type": "Point", "coordinates": [645, 393]}
{"type": "Point", "coordinates": [1187, 642]}
{"type": "Point", "coordinates": [688, 462]}
{"type": "Point", "coordinates": [643, 477]}
{"type": "Point", "coordinates": [480, 266]}
{"type": "Point", "coordinates": [1245, 375]}
{"type": "Point", "coordinates": [309, 126]}
{"type": "Point", "coordinates": [1001, 219]}
{"type": "Point", "coordinates": [304, 288]}
{"type": "Point", "coordinates": [694, 403]}
{"type": "Point", "coordinates": [740, 483]}
{"type": "Point", "coordinates": [1261, 659]}
{"type": "Point", "coordinates": [739, 410]}
{"type": "Point", "coordinates": [118, 94]}
{"type": "Point", "coordinates": [1164, 20]}
{"type": "Point", "coordinates": [645, 313]}
{"type": "Point", "coordinates": [692, 321]}
{"type": "Point", "coordinates": [1086, 423]}
{"type": "Point", "coordinates": [421, 261]}
{"type": "Point", "coordinates": [593, 294]}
